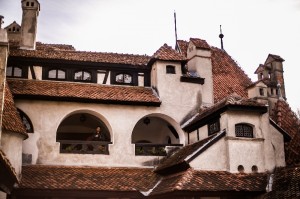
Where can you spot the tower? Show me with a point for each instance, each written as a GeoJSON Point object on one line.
{"type": "Point", "coordinates": [31, 10]}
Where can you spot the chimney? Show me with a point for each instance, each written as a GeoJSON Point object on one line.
{"type": "Point", "coordinates": [31, 10]}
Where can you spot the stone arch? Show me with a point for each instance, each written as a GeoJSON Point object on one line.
{"type": "Point", "coordinates": [77, 133]}
{"type": "Point", "coordinates": [159, 127]}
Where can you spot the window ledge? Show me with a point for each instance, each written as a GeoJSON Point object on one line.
{"type": "Point", "coordinates": [244, 139]}
{"type": "Point", "coordinates": [195, 80]}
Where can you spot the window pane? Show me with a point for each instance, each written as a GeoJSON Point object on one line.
{"type": "Point", "coordinates": [9, 71]}
{"type": "Point", "coordinates": [17, 72]}
{"type": "Point", "coordinates": [78, 75]}
{"type": "Point", "coordinates": [52, 74]}
{"type": "Point", "coordinates": [87, 76]}
{"type": "Point", "coordinates": [119, 78]}
{"type": "Point", "coordinates": [61, 74]}
{"type": "Point", "coordinates": [127, 78]}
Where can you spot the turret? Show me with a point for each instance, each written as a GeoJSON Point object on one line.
{"type": "Point", "coordinates": [31, 10]}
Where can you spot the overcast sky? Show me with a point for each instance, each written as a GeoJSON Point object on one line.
{"type": "Point", "coordinates": [252, 29]}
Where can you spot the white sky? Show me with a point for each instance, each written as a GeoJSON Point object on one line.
{"type": "Point", "coordinates": [252, 29]}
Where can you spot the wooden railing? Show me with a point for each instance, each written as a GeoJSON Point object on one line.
{"type": "Point", "coordinates": [84, 147]}
{"type": "Point", "coordinates": [149, 149]}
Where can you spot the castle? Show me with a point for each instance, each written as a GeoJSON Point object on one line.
{"type": "Point", "coordinates": [183, 123]}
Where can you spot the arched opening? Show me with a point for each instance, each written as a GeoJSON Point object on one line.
{"type": "Point", "coordinates": [26, 121]}
{"type": "Point", "coordinates": [152, 134]}
{"type": "Point", "coordinates": [77, 134]}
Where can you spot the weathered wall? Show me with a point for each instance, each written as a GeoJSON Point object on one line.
{"type": "Point", "coordinates": [12, 146]}
{"type": "Point", "coordinates": [46, 117]}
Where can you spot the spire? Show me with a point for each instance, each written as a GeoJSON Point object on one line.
{"type": "Point", "coordinates": [221, 37]}
{"type": "Point", "coordinates": [175, 29]}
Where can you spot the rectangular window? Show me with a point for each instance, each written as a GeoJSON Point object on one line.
{"type": "Point", "coordinates": [261, 92]}
{"type": "Point", "coordinates": [213, 127]}
{"type": "Point", "coordinates": [170, 69]}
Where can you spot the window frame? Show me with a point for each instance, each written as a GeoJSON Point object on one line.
{"type": "Point", "coordinates": [56, 78]}
{"type": "Point", "coordinates": [170, 69]}
{"type": "Point", "coordinates": [82, 80]}
{"type": "Point", "coordinates": [13, 70]}
{"type": "Point", "coordinates": [244, 127]}
{"type": "Point", "coordinates": [24, 115]}
{"type": "Point", "coordinates": [216, 124]}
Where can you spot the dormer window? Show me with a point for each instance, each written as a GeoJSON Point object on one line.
{"type": "Point", "coordinates": [243, 130]}
{"type": "Point", "coordinates": [124, 78]}
{"type": "Point", "coordinates": [13, 71]}
{"type": "Point", "coordinates": [82, 76]}
{"type": "Point", "coordinates": [57, 74]}
{"type": "Point", "coordinates": [170, 69]}
{"type": "Point", "coordinates": [26, 121]}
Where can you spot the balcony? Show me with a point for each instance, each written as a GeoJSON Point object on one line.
{"type": "Point", "coordinates": [84, 147]}
{"type": "Point", "coordinates": [149, 149]}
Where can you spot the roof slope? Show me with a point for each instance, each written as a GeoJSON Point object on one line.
{"type": "Point", "coordinates": [11, 120]}
{"type": "Point", "coordinates": [211, 181]}
{"type": "Point", "coordinates": [71, 91]}
{"type": "Point", "coordinates": [228, 77]}
{"type": "Point", "coordinates": [86, 178]}
{"type": "Point", "coordinates": [184, 155]}
{"type": "Point", "coordinates": [200, 43]}
{"type": "Point", "coordinates": [50, 53]}
{"type": "Point", "coordinates": [167, 53]}
{"type": "Point", "coordinates": [288, 120]}
{"type": "Point", "coordinates": [286, 183]}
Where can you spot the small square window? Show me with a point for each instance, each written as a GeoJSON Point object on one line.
{"type": "Point", "coordinates": [170, 69]}
{"type": "Point", "coordinates": [213, 127]}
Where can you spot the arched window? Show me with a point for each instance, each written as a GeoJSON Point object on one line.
{"type": "Point", "coordinates": [170, 69]}
{"type": "Point", "coordinates": [13, 71]}
{"type": "Point", "coordinates": [26, 121]}
{"type": "Point", "coordinates": [124, 78]}
{"type": "Point", "coordinates": [243, 130]}
{"type": "Point", "coordinates": [56, 74]}
{"type": "Point", "coordinates": [82, 76]}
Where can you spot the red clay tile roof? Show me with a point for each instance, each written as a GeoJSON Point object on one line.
{"type": "Point", "coordinates": [87, 178]}
{"type": "Point", "coordinates": [288, 121]}
{"type": "Point", "coordinates": [11, 120]}
{"type": "Point", "coordinates": [211, 181]}
{"type": "Point", "coordinates": [167, 53]}
{"type": "Point", "coordinates": [228, 77]}
{"type": "Point", "coordinates": [71, 91]}
{"type": "Point", "coordinates": [9, 168]}
{"type": "Point", "coordinates": [51, 47]}
{"type": "Point", "coordinates": [231, 100]}
{"type": "Point", "coordinates": [286, 183]}
{"type": "Point", "coordinates": [199, 43]}
{"type": "Point", "coordinates": [183, 46]}
{"type": "Point", "coordinates": [186, 154]}
{"type": "Point", "coordinates": [136, 60]}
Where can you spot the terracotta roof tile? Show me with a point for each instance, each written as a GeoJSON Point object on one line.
{"type": "Point", "coordinates": [228, 77]}
{"type": "Point", "coordinates": [200, 43]}
{"type": "Point", "coordinates": [51, 47]}
{"type": "Point", "coordinates": [183, 46]}
{"type": "Point", "coordinates": [186, 154]}
{"type": "Point", "coordinates": [286, 183]}
{"type": "Point", "coordinates": [11, 120]}
{"type": "Point", "coordinates": [167, 53]}
{"type": "Point", "coordinates": [71, 91]}
{"type": "Point", "coordinates": [231, 100]}
{"type": "Point", "coordinates": [288, 121]}
{"type": "Point", "coordinates": [211, 181]}
{"type": "Point", "coordinates": [137, 60]}
{"type": "Point", "coordinates": [87, 178]}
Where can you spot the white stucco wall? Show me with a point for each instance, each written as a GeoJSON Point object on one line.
{"type": "Point", "coordinates": [214, 158]}
{"type": "Point", "coordinates": [120, 120]}
{"type": "Point", "coordinates": [178, 98]}
{"type": "Point", "coordinates": [12, 146]}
